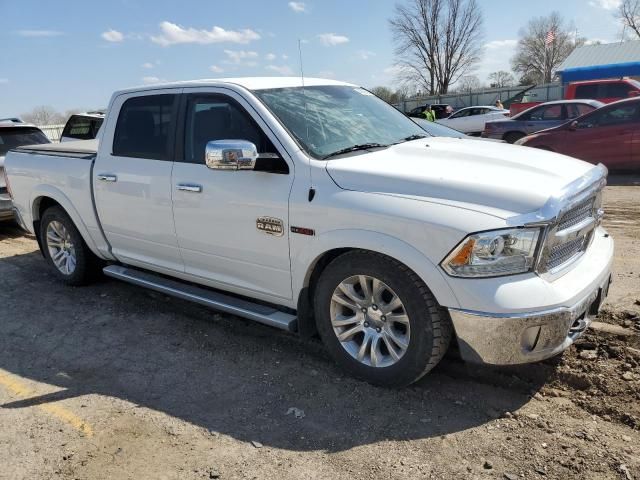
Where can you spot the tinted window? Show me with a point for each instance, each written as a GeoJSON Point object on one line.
{"type": "Point", "coordinates": [617, 90]}
{"type": "Point", "coordinates": [461, 113]}
{"type": "Point", "coordinates": [145, 127]}
{"type": "Point", "coordinates": [18, 137]}
{"type": "Point", "coordinates": [216, 117]}
{"type": "Point", "coordinates": [82, 128]}
{"type": "Point", "coordinates": [587, 91]}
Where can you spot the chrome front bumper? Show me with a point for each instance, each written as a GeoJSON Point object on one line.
{"type": "Point", "coordinates": [510, 339]}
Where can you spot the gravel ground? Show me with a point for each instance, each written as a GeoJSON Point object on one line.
{"type": "Point", "coordinates": [112, 381]}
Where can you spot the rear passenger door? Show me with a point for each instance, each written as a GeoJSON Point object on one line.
{"type": "Point", "coordinates": [132, 180]}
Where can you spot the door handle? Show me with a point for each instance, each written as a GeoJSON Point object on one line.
{"type": "Point", "coordinates": [189, 187]}
{"type": "Point", "coordinates": [105, 177]}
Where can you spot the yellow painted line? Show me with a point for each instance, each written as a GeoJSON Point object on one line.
{"type": "Point", "coordinates": [13, 384]}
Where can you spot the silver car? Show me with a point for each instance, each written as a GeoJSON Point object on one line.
{"type": "Point", "coordinates": [14, 133]}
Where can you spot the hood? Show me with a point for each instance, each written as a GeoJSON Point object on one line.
{"type": "Point", "coordinates": [497, 178]}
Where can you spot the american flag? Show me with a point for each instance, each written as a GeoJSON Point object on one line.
{"type": "Point", "coordinates": [551, 36]}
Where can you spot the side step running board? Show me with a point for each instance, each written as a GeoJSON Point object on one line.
{"type": "Point", "coordinates": [209, 298]}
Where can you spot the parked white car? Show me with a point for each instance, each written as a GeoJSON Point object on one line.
{"type": "Point", "coordinates": [324, 209]}
{"type": "Point", "coordinates": [471, 120]}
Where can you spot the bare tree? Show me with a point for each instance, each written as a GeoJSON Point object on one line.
{"type": "Point", "coordinates": [43, 115]}
{"type": "Point", "coordinates": [437, 41]}
{"type": "Point", "coordinates": [501, 79]}
{"type": "Point", "coordinates": [544, 44]}
{"type": "Point", "coordinates": [468, 83]}
{"type": "Point", "coordinates": [384, 93]}
{"type": "Point", "coordinates": [629, 13]}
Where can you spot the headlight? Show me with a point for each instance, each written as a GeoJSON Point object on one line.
{"type": "Point", "coordinates": [495, 253]}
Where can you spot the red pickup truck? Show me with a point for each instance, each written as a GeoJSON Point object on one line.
{"type": "Point", "coordinates": [605, 91]}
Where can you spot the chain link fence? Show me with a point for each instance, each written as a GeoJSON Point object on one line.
{"type": "Point", "coordinates": [488, 96]}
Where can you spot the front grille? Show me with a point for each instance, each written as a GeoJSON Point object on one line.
{"type": "Point", "coordinates": [563, 252]}
{"type": "Point", "coordinates": [577, 214]}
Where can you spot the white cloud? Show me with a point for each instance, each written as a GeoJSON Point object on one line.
{"type": "Point", "coordinates": [606, 4]}
{"type": "Point", "coordinates": [365, 54]}
{"type": "Point", "coordinates": [39, 33]}
{"type": "Point", "coordinates": [147, 65]}
{"type": "Point", "coordinates": [331, 39]}
{"type": "Point", "coordinates": [216, 69]}
{"type": "Point", "coordinates": [326, 74]}
{"type": "Point", "coordinates": [151, 80]}
{"type": "Point", "coordinates": [282, 69]}
{"type": "Point", "coordinates": [112, 36]}
{"type": "Point", "coordinates": [270, 57]}
{"type": "Point", "coordinates": [173, 34]}
{"type": "Point", "coordinates": [242, 57]}
{"type": "Point", "coordinates": [4, 80]}
{"type": "Point", "coordinates": [500, 44]}
{"type": "Point", "coordinates": [298, 7]}
{"type": "Point", "coordinates": [285, 57]}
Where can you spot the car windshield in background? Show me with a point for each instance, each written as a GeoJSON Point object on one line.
{"type": "Point", "coordinates": [19, 136]}
{"type": "Point", "coordinates": [328, 119]}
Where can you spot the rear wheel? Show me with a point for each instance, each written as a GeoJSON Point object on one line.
{"type": "Point", "coordinates": [513, 137]}
{"type": "Point", "coordinates": [65, 250]}
{"type": "Point", "coordinates": [378, 320]}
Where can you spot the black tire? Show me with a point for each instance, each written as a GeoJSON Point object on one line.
{"type": "Point", "coordinates": [430, 328]}
{"type": "Point", "coordinates": [87, 265]}
{"type": "Point", "coordinates": [513, 137]}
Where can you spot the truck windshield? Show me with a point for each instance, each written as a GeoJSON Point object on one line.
{"type": "Point", "coordinates": [19, 136]}
{"type": "Point", "coordinates": [326, 120]}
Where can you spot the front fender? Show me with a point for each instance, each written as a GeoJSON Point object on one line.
{"type": "Point", "coordinates": [304, 262]}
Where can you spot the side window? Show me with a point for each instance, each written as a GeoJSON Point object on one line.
{"type": "Point", "coordinates": [461, 113]}
{"type": "Point", "coordinates": [79, 127]}
{"type": "Point", "coordinates": [617, 116]}
{"type": "Point", "coordinates": [582, 109]}
{"type": "Point", "coordinates": [217, 117]}
{"type": "Point", "coordinates": [551, 112]}
{"type": "Point", "coordinates": [145, 127]}
{"type": "Point", "coordinates": [587, 91]}
{"type": "Point", "coordinates": [617, 90]}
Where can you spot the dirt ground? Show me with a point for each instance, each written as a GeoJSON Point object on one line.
{"type": "Point", "coordinates": [112, 381]}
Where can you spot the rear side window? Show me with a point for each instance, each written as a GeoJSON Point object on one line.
{"type": "Point", "coordinates": [145, 127]}
{"type": "Point", "coordinates": [82, 128]}
{"type": "Point", "coordinates": [20, 136]}
{"type": "Point", "coordinates": [617, 90]}
{"type": "Point", "coordinates": [575, 110]}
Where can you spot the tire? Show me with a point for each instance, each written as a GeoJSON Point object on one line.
{"type": "Point", "coordinates": [60, 239]}
{"type": "Point", "coordinates": [421, 326]}
{"type": "Point", "coordinates": [513, 137]}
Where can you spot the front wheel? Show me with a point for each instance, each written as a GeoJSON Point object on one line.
{"type": "Point", "coordinates": [378, 320]}
{"type": "Point", "coordinates": [65, 250]}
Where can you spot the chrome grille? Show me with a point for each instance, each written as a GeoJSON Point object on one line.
{"type": "Point", "coordinates": [577, 214]}
{"type": "Point", "coordinates": [563, 252]}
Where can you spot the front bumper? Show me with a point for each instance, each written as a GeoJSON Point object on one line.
{"type": "Point", "coordinates": [516, 337]}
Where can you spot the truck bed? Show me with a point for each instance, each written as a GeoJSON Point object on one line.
{"type": "Point", "coordinates": [81, 148]}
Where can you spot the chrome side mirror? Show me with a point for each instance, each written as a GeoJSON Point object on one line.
{"type": "Point", "coordinates": [230, 155]}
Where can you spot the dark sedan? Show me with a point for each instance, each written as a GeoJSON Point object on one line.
{"type": "Point", "coordinates": [540, 117]}
{"type": "Point", "coordinates": [610, 135]}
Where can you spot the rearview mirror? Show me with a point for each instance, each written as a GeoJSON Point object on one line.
{"type": "Point", "coordinates": [230, 155]}
{"type": "Point", "coordinates": [573, 125]}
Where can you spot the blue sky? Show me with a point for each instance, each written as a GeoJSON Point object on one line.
{"type": "Point", "coordinates": [75, 53]}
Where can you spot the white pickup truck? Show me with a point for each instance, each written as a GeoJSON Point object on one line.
{"type": "Point", "coordinates": [318, 208]}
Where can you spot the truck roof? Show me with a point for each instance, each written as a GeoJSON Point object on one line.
{"type": "Point", "coordinates": [250, 83]}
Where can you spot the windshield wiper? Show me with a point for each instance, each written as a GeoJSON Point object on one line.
{"type": "Point", "coordinates": [416, 136]}
{"type": "Point", "coordinates": [354, 148]}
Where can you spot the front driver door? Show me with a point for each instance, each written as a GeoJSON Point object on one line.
{"type": "Point", "coordinates": [216, 211]}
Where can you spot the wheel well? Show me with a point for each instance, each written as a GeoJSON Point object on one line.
{"type": "Point", "coordinates": [306, 318]}
{"type": "Point", "coordinates": [512, 132]}
{"type": "Point", "coordinates": [40, 206]}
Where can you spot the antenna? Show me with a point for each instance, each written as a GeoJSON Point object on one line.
{"type": "Point", "coordinates": [312, 191]}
